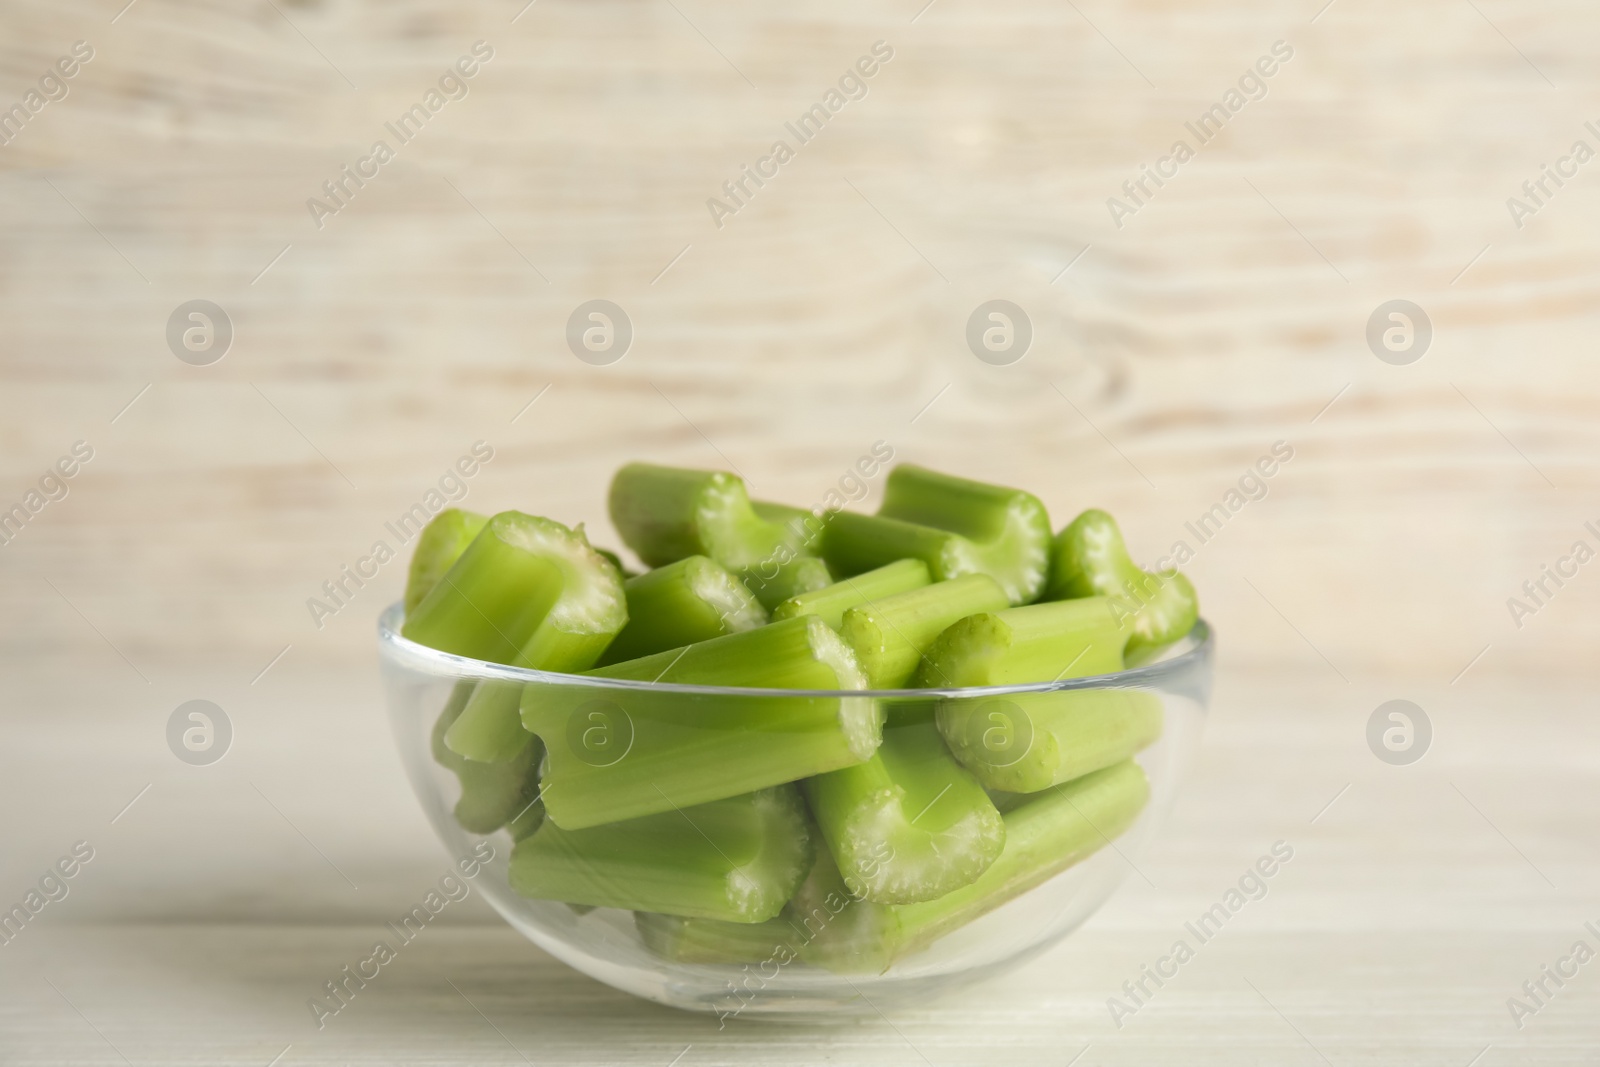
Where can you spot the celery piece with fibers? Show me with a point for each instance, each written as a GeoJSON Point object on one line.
{"type": "Point", "coordinates": [685, 940]}
{"type": "Point", "coordinates": [1090, 558]}
{"type": "Point", "coordinates": [774, 582]}
{"type": "Point", "coordinates": [831, 601]}
{"type": "Point", "coordinates": [691, 600]}
{"type": "Point", "coordinates": [1026, 742]}
{"type": "Point", "coordinates": [1037, 643]}
{"type": "Point", "coordinates": [954, 525]}
{"type": "Point", "coordinates": [441, 543]}
{"type": "Point", "coordinates": [667, 513]}
{"type": "Point", "coordinates": [625, 752]}
{"type": "Point", "coordinates": [527, 592]}
{"type": "Point", "coordinates": [1045, 834]}
{"type": "Point", "coordinates": [890, 636]}
{"type": "Point", "coordinates": [492, 794]}
{"type": "Point", "coordinates": [739, 859]}
{"type": "Point", "coordinates": [909, 824]}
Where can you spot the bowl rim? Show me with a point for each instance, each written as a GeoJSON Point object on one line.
{"type": "Point", "coordinates": [1189, 652]}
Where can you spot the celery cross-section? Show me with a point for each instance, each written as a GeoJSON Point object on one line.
{"type": "Point", "coordinates": [955, 525]}
{"type": "Point", "coordinates": [910, 823]}
{"type": "Point", "coordinates": [680, 603]}
{"type": "Point", "coordinates": [1090, 558]}
{"type": "Point", "coordinates": [890, 636]}
{"type": "Point", "coordinates": [1044, 834]}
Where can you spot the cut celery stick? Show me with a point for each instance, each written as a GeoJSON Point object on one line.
{"type": "Point", "coordinates": [492, 794]}
{"type": "Point", "coordinates": [489, 729]}
{"type": "Point", "coordinates": [441, 543]}
{"type": "Point", "coordinates": [910, 823]}
{"type": "Point", "coordinates": [1026, 742]}
{"type": "Point", "coordinates": [622, 753]}
{"type": "Point", "coordinates": [528, 592]}
{"type": "Point", "coordinates": [738, 859]}
{"type": "Point", "coordinates": [684, 940]}
{"type": "Point", "coordinates": [1038, 643]}
{"type": "Point", "coordinates": [831, 602]}
{"type": "Point", "coordinates": [954, 525]}
{"type": "Point", "coordinates": [1045, 834]}
{"type": "Point", "coordinates": [667, 513]}
{"type": "Point", "coordinates": [890, 635]}
{"type": "Point", "coordinates": [774, 582]}
{"type": "Point", "coordinates": [691, 600]}
{"type": "Point", "coordinates": [805, 526]}
{"type": "Point", "coordinates": [1090, 558]}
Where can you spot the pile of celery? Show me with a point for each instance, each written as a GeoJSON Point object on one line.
{"type": "Point", "coordinates": [838, 826]}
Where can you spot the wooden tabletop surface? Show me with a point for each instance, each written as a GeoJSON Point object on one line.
{"type": "Point", "coordinates": [1178, 337]}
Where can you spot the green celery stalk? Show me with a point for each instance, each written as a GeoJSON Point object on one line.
{"type": "Point", "coordinates": [492, 794]}
{"type": "Point", "coordinates": [441, 543]}
{"type": "Point", "coordinates": [685, 940]}
{"type": "Point", "coordinates": [1045, 834]}
{"type": "Point", "coordinates": [954, 525]}
{"type": "Point", "coordinates": [622, 753]}
{"type": "Point", "coordinates": [1026, 742]}
{"type": "Point", "coordinates": [774, 582]}
{"type": "Point", "coordinates": [909, 824]}
{"type": "Point", "coordinates": [831, 602]}
{"type": "Point", "coordinates": [890, 635]}
{"type": "Point", "coordinates": [806, 526]}
{"type": "Point", "coordinates": [527, 592]}
{"type": "Point", "coordinates": [489, 728]}
{"type": "Point", "coordinates": [667, 513]}
{"type": "Point", "coordinates": [1038, 643]}
{"type": "Point", "coordinates": [1090, 558]}
{"type": "Point", "coordinates": [738, 859]}
{"type": "Point", "coordinates": [691, 600]}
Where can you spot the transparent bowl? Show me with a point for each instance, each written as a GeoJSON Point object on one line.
{"type": "Point", "coordinates": [815, 970]}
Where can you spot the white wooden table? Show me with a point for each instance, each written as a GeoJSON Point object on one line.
{"type": "Point", "coordinates": [1418, 900]}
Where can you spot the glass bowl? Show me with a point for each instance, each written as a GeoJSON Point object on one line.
{"type": "Point", "coordinates": [1067, 846]}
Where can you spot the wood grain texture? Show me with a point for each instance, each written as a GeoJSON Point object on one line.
{"type": "Point", "coordinates": [1229, 313]}
{"type": "Point", "coordinates": [825, 315]}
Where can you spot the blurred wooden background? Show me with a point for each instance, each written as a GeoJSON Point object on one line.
{"type": "Point", "coordinates": [1169, 354]}
{"type": "Point", "coordinates": [1223, 317]}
